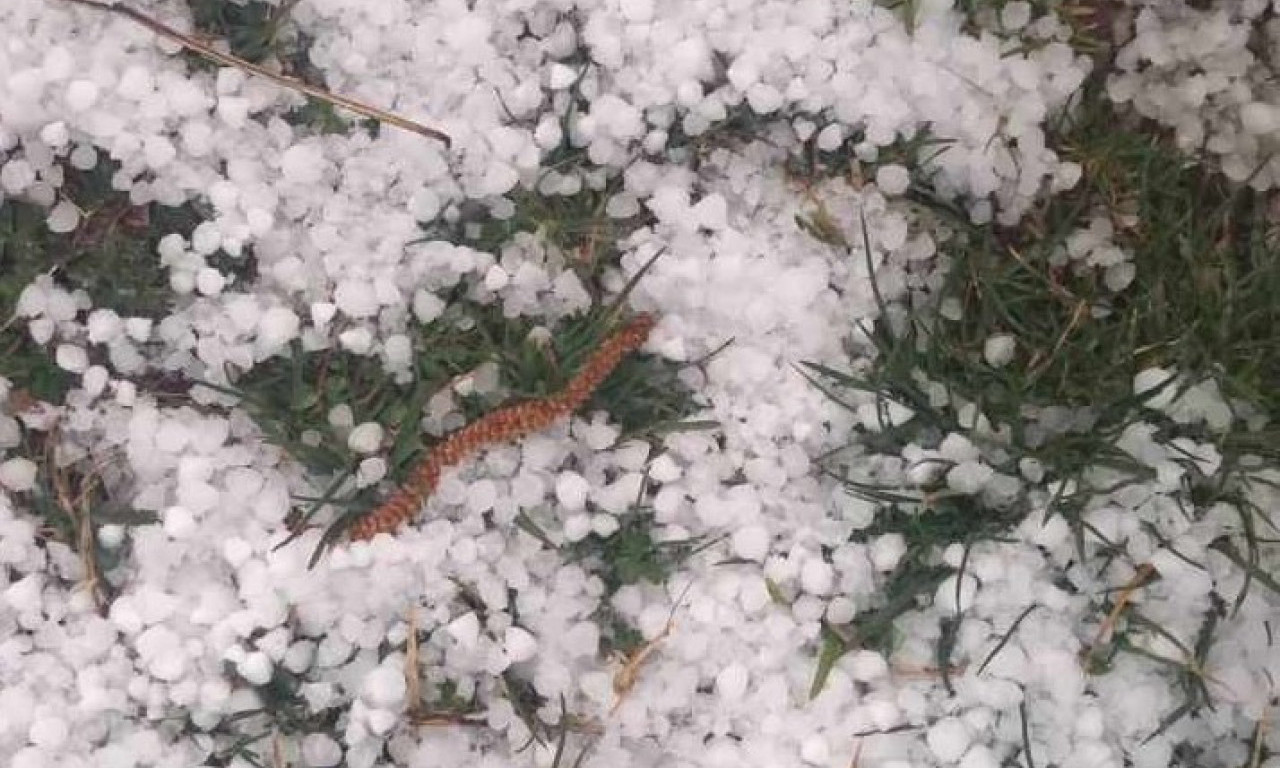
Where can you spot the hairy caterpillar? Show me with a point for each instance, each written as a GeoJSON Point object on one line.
{"type": "Point", "coordinates": [501, 426]}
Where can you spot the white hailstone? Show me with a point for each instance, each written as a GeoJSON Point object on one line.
{"type": "Point", "coordinates": [955, 447]}
{"type": "Point", "coordinates": [322, 312]}
{"type": "Point", "coordinates": [1151, 379]}
{"type": "Point", "coordinates": [24, 595]}
{"type": "Point", "coordinates": [365, 438]}
{"type": "Point", "coordinates": [277, 327]}
{"type": "Point", "coordinates": [302, 164]}
{"type": "Point", "coordinates": [571, 490]}
{"type": "Point", "coordinates": [48, 733]}
{"type": "Point", "coordinates": [980, 756]}
{"type": "Point", "coordinates": [732, 682]}
{"type": "Point", "coordinates": [815, 750]}
{"type": "Point", "coordinates": [104, 326]}
{"type": "Point", "coordinates": [577, 527]}
{"type": "Point", "coordinates": [496, 278]}
{"type": "Point", "coordinates": [356, 298]}
{"type": "Point", "coordinates": [1015, 15]}
{"type": "Point", "coordinates": [604, 525]}
{"type": "Point", "coordinates": [751, 542]}
{"type": "Point", "coordinates": [481, 496]}
{"type": "Point", "coordinates": [138, 328]}
{"type": "Point", "coordinates": [320, 751]}
{"type": "Point", "coordinates": [969, 477]}
{"type": "Point", "coordinates": [866, 666]}
{"type": "Point", "coordinates": [206, 238]}
{"type": "Point", "coordinates": [465, 630]}
{"type": "Point", "coordinates": [161, 649]}
{"type": "Point", "coordinates": [384, 687]}
{"type": "Point", "coordinates": [398, 350]}
{"type": "Point", "coordinates": [209, 281]}
{"type": "Point", "coordinates": [886, 550]}
{"type": "Point", "coordinates": [158, 151]}
{"type": "Point", "coordinates": [560, 76]}
{"type": "Point", "coordinates": [519, 645]}
{"type": "Point", "coordinates": [817, 577]}
{"type": "Point", "coordinates": [256, 668]}
{"type": "Point", "coordinates": [638, 11]}
{"type": "Point", "coordinates": [1031, 470]}
{"type": "Point", "coordinates": [380, 722]}
{"type": "Point", "coordinates": [72, 358]}
{"type": "Point", "coordinates": [764, 99]}
{"type": "Point", "coordinates": [41, 329]}
{"type": "Point", "coordinates": [197, 138]}
{"type": "Point", "coordinates": [299, 657]}
{"type": "Point", "coordinates": [664, 469]}
{"type": "Point", "coordinates": [948, 739]}
{"type": "Point", "coordinates": [1259, 118]}
{"type": "Point", "coordinates": [830, 138]}
{"type": "Point", "coordinates": [499, 179]}
{"type": "Point", "coordinates": [425, 204]}
{"type": "Point", "coordinates": [998, 350]}
{"type": "Point", "coordinates": [82, 94]}
{"type": "Point", "coordinates": [427, 306]}
{"type": "Point", "coordinates": [893, 179]}
{"type": "Point", "coordinates": [94, 380]}
{"type": "Point", "coordinates": [55, 134]}
{"type": "Point", "coordinates": [18, 475]}
{"type": "Point", "coordinates": [945, 597]}
{"type": "Point", "coordinates": [341, 416]}
{"type": "Point", "coordinates": [236, 551]}
{"type": "Point", "coordinates": [1117, 277]}
{"type": "Point", "coordinates": [16, 176]}
{"type": "Point", "coordinates": [370, 471]}
{"type": "Point", "coordinates": [63, 217]}
{"type": "Point", "coordinates": [358, 341]}
{"type": "Point", "coordinates": [179, 523]}
{"type": "Point", "coordinates": [841, 610]}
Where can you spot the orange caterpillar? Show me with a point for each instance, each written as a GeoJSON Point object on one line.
{"type": "Point", "coordinates": [501, 426]}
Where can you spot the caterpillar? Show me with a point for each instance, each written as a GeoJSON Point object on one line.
{"type": "Point", "coordinates": [504, 425]}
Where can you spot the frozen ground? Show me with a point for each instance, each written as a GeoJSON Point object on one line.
{"type": "Point", "coordinates": [222, 649]}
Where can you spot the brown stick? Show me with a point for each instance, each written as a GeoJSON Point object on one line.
{"type": "Point", "coordinates": [229, 60]}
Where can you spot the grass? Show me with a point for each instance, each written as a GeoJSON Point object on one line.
{"type": "Point", "coordinates": [1207, 270]}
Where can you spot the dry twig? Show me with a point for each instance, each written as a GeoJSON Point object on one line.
{"type": "Point", "coordinates": [625, 678]}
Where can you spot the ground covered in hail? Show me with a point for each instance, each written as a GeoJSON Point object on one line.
{"type": "Point", "coordinates": [851, 384]}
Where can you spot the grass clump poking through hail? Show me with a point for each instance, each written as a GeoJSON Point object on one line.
{"type": "Point", "coordinates": [109, 259]}
{"type": "Point", "coordinates": [1031, 350]}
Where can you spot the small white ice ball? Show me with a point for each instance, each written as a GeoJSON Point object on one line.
{"type": "Point", "coordinates": [817, 577]}
{"type": "Point", "coordinates": [731, 683]}
{"type": "Point", "coordinates": [82, 94]}
{"type": "Point", "coordinates": [320, 751]}
{"type": "Point", "coordinates": [302, 164]}
{"type": "Point", "coordinates": [71, 358]}
{"type": "Point", "coordinates": [519, 644]}
{"type": "Point", "coordinates": [365, 438]}
{"type": "Point", "coordinates": [384, 687]}
{"type": "Point", "coordinates": [998, 350]}
{"type": "Point", "coordinates": [48, 733]}
{"type": "Point", "coordinates": [277, 327]}
{"type": "Point", "coordinates": [209, 281]}
{"type": "Point", "coordinates": [256, 668]}
{"type": "Point", "coordinates": [893, 179]}
{"type": "Point", "coordinates": [1259, 118]}
{"type": "Point", "coordinates": [751, 542]}
{"type": "Point", "coordinates": [63, 217]}
{"type": "Point", "coordinates": [571, 490]}
{"type": "Point", "coordinates": [948, 739]}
